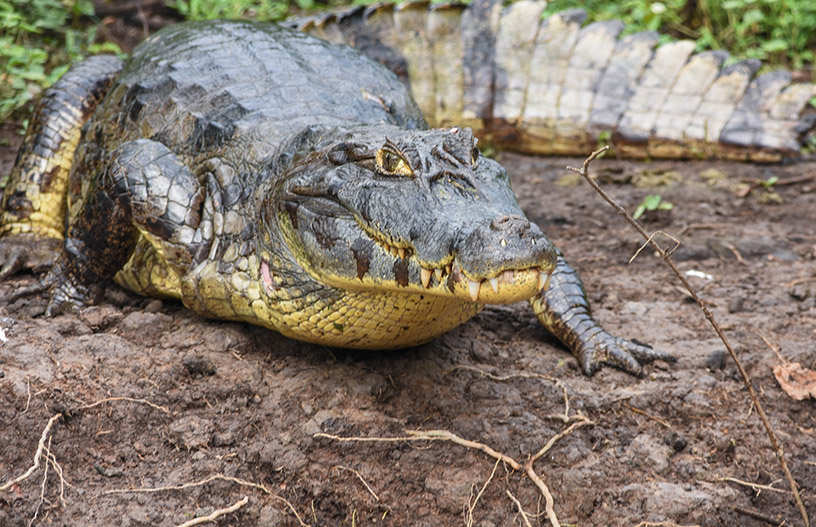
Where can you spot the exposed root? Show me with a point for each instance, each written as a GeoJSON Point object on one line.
{"type": "Point", "coordinates": [583, 421]}
{"type": "Point", "coordinates": [521, 510]}
{"type": "Point", "coordinates": [470, 505]}
{"type": "Point", "coordinates": [549, 502]}
{"type": "Point", "coordinates": [666, 256]}
{"type": "Point", "coordinates": [42, 492]}
{"type": "Point", "coordinates": [129, 399]}
{"type": "Point", "coordinates": [444, 435]}
{"type": "Point", "coordinates": [647, 414]}
{"type": "Point", "coordinates": [565, 417]}
{"type": "Point", "coordinates": [216, 514]}
{"type": "Point", "coordinates": [368, 488]}
{"type": "Point", "coordinates": [37, 455]}
{"type": "Point", "coordinates": [214, 477]}
{"type": "Point", "coordinates": [756, 486]}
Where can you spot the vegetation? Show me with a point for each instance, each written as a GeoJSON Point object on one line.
{"type": "Point", "coordinates": [40, 38]}
{"type": "Point", "coordinates": [780, 33]}
{"type": "Point", "coordinates": [259, 9]}
{"type": "Point", "coordinates": [651, 203]}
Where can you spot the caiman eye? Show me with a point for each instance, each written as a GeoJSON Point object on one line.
{"type": "Point", "coordinates": [474, 156]}
{"type": "Point", "coordinates": [391, 163]}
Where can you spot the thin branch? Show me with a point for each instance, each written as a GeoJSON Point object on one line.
{"type": "Point", "coordinates": [216, 514]}
{"type": "Point", "coordinates": [745, 377]}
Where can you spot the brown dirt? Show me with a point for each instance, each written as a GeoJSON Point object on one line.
{"type": "Point", "coordinates": [245, 402]}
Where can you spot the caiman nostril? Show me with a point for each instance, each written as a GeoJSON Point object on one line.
{"type": "Point", "coordinates": [511, 224]}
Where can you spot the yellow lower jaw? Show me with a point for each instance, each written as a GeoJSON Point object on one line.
{"type": "Point", "coordinates": [507, 287]}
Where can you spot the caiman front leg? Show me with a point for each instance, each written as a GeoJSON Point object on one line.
{"type": "Point", "coordinates": [33, 204]}
{"type": "Point", "coordinates": [145, 193]}
{"type": "Point", "coordinates": [564, 310]}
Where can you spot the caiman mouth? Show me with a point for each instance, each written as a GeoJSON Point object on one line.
{"type": "Point", "coordinates": [447, 277]}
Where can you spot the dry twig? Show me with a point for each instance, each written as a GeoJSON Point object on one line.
{"type": "Point", "coordinates": [216, 514]}
{"type": "Point", "coordinates": [745, 377]}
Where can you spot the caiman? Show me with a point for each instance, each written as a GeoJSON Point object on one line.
{"type": "Point", "coordinates": [260, 174]}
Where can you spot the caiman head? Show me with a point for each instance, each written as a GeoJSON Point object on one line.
{"type": "Point", "coordinates": [379, 208]}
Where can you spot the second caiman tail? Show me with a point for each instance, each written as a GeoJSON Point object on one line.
{"type": "Point", "coordinates": [556, 86]}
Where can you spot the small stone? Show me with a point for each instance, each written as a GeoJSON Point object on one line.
{"type": "Point", "coordinates": [675, 440]}
{"type": "Point", "coordinates": [735, 304]}
{"type": "Point", "coordinates": [716, 361]}
{"type": "Point", "coordinates": [154, 306]}
{"type": "Point", "coordinates": [198, 366]}
{"type": "Point", "coordinates": [799, 292]}
{"type": "Point", "coordinates": [191, 433]}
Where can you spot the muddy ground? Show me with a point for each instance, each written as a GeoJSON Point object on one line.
{"type": "Point", "coordinates": [209, 398]}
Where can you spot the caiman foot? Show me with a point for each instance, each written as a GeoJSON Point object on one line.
{"type": "Point", "coordinates": [26, 251]}
{"type": "Point", "coordinates": [65, 296]}
{"type": "Point", "coordinates": [605, 349]}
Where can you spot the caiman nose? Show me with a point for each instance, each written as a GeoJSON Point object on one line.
{"type": "Point", "coordinates": [506, 242]}
{"type": "Point", "coordinates": [511, 225]}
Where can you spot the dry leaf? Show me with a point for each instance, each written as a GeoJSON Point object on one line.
{"type": "Point", "coordinates": [798, 382]}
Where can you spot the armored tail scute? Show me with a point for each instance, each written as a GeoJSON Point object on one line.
{"type": "Point", "coordinates": [555, 85]}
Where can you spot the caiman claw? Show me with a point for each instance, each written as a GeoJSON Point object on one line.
{"type": "Point", "coordinates": [606, 349]}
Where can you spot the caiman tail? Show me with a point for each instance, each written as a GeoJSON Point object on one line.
{"type": "Point", "coordinates": [556, 86]}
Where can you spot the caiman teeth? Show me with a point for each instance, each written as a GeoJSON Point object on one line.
{"type": "Point", "coordinates": [543, 280]}
{"type": "Point", "coordinates": [494, 284]}
{"type": "Point", "coordinates": [438, 274]}
{"type": "Point", "coordinates": [474, 288]}
{"type": "Point", "coordinates": [401, 252]}
{"type": "Point", "coordinates": [426, 276]}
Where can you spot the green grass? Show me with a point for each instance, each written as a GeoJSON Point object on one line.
{"type": "Point", "coordinates": [39, 39]}
{"type": "Point", "coordinates": [780, 32]}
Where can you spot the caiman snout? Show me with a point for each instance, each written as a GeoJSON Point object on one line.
{"type": "Point", "coordinates": [511, 225]}
{"type": "Point", "coordinates": [506, 242]}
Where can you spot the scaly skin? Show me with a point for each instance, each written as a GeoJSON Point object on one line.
{"type": "Point", "coordinates": [552, 85]}
{"type": "Point", "coordinates": [259, 174]}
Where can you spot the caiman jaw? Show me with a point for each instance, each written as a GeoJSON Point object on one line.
{"type": "Point", "coordinates": [505, 286]}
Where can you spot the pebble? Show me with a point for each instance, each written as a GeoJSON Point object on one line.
{"type": "Point", "coordinates": [198, 365]}
{"type": "Point", "coordinates": [735, 304]}
{"type": "Point", "coordinates": [191, 433]}
{"type": "Point", "coordinates": [154, 306]}
{"type": "Point", "coordinates": [716, 361]}
{"type": "Point", "coordinates": [675, 440]}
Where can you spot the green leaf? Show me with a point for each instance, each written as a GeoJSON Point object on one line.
{"type": "Point", "coordinates": [651, 202]}
{"type": "Point", "coordinates": [775, 45]}
{"type": "Point", "coordinates": [639, 211]}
